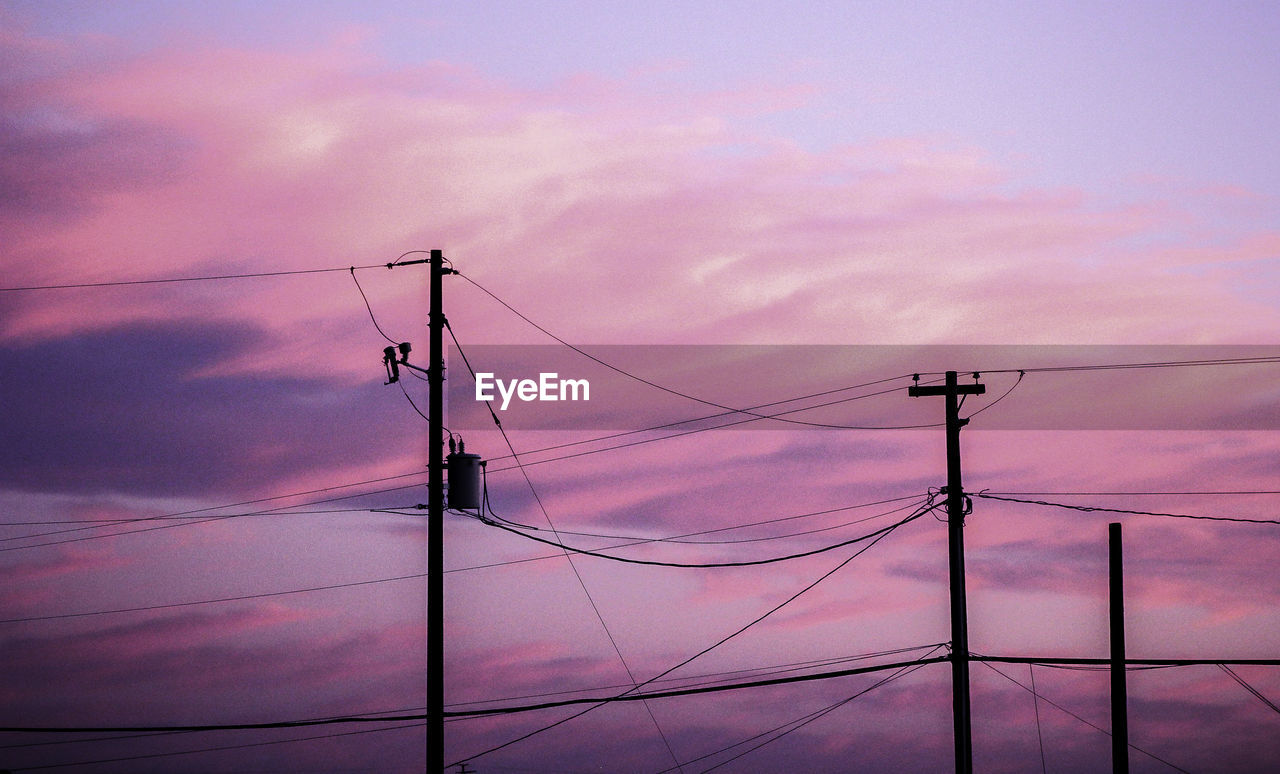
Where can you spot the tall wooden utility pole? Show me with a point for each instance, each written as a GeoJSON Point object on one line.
{"type": "Point", "coordinates": [1119, 690]}
{"type": "Point", "coordinates": [955, 544]}
{"type": "Point", "coordinates": [435, 502]}
{"type": "Point", "coordinates": [435, 524]}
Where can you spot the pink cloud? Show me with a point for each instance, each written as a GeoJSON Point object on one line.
{"type": "Point", "coordinates": [316, 158]}
{"type": "Point", "coordinates": [35, 580]}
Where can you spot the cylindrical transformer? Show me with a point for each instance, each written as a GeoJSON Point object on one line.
{"type": "Point", "coordinates": [464, 481]}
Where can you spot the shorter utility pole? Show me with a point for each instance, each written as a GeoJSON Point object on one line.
{"type": "Point", "coordinates": [962, 727]}
{"type": "Point", "coordinates": [1119, 689]}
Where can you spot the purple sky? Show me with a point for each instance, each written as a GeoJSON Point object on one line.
{"type": "Point", "coordinates": [622, 174]}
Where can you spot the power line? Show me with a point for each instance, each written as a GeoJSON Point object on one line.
{"type": "Point", "coordinates": [634, 540]}
{"type": "Point", "coordinates": [282, 510]}
{"type": "Point", "coordinates": [279, 724]}
{"type": "Point", "coordinates": [737, 541]}
{"type": "Point", "coordinates": [710, 678]}
{"type": "Point", "coordinates": [668, 693]}
{"type": "Point", "coordinates": [1020, 371]}
{"type": "Point", "coordinates": [392, 341]}
{"type": "Point", "coordinates": [673, 692]}
{"type": "Point", "coordinates": [1260, 360]}
{"type": "Point", "coordinates": [595, 608]}
{"type": "Point", "coordinates": [141, 732]}
{"type": "Point", "coordinates": [752, 418]}
{"type": "Point", "coordinates": [803, 720]}
{"type": "Point", "coordinates": [1092, 725]}
{"type": "Point", "coordinates": [255, 501]}
{"type": "Point", "coordinates": [370, 308]}
{"type": "Point", "coordinates": [400, 384]}
{"type": "Point", "coordinates": [1090, 508]}
{"type": "Point", "coordinates": [216, 749]}
{"type": "Point", "coordinates": [1013, 387]}
{"type": "Point", "coordinates": [307, 723]}
{"type": "Point", "coordinates": [670, 390]}
{"type": "Point", "coordinates": [1130, 663]}
{"type": "Point", "coordinates": [239, 598]}
{"type": "Point", "coordinates": [202, 520]}
{"type": "Point", "coordinates": [1256, 693]}
{"type": "Point", "coordinates": [1084, 668]}
{"type": "Point", "coordinates": [1035, 702]}
{"type": "Point", "coordinates": [176, 730]}
{"type": "Point", "coordinates": [88, 740]}
{"type": "Point", "coordinates": [695, 656]}
{"type": "Point", "coordinates": [381, 580]}
{"type": "Point", "coordinates": [708, 565]}
{"type": "Point", "coordinates": [675, 538]}
{"type": "Point", "coordinates": [166, 280]}
{"type": "Point", "coordinates": [720, 415]}
{"type": "Point", "coordinates": [129, 520]}
{"type": "Point", "coordinates": [1139, 494]}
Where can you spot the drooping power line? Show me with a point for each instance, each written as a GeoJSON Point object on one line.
{"type": "Point", "coordinates": [737, 632]}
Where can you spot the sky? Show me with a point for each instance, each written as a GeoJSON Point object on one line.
{"type": "Point", "coordinates": [207, 490]}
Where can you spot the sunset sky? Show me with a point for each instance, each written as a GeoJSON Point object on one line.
{"type": "Point", "coordinates": [196, 476]}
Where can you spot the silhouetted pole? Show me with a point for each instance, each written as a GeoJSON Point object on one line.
{"type": "Point", "coordinates": [955, 544]}
{"type": "Point", "coordinates": [435, 524]}
{"type": "Point", "coordinates": [1119, 691]}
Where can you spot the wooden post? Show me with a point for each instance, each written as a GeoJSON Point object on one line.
{"type": "Point", "coordinates": [962, 726]}
{"type": "Point", "coordinates": [1119, 689]}
{"type": "Point", "coordinates": [435, 524]}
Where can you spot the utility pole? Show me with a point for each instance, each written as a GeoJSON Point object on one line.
{"type": "Point", "coordinates": [435, 524]}
{"type": "Point", "coordinates": [1119, 689]}
{"type": "Point", "coordinates": [467, 467]}
{"type": "Point", "coordinates": [962, 728]}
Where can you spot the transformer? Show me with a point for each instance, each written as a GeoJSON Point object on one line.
{"type": "Point", "coordinates": [464, 481]}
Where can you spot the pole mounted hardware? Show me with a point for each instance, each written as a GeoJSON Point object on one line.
{"type": "Point", "coordinates": [393, 363]}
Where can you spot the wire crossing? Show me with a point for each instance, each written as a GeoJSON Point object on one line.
{"type": "Point", "coordinates": [695, 656]}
